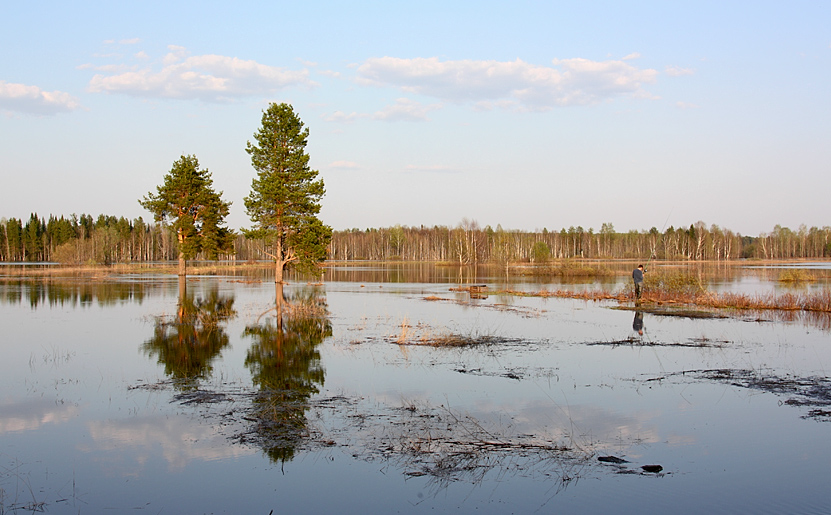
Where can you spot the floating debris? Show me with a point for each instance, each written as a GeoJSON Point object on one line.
{"type": "Point", "coordinates": [611, 459]}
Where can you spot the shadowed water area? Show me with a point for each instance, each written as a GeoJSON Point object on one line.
{"type": "Point", "coordinates": [399, 389]}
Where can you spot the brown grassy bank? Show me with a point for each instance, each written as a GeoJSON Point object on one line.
{"type": "Point", "coordinates": [810, 301]}
{"type": "Point", "coordinates": [12, 270]}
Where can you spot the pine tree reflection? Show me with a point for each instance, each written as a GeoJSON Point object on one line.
{"type": "Point", "coordinates": [188, 344]}
{"type": "Point", "coordinates": [285, 366]}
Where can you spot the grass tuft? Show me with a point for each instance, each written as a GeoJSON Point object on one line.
{"type": "Point", "coordinates": [796, 275]}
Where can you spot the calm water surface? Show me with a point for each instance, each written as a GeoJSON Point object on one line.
{"type": "Point", "coordinates": [108, 405]}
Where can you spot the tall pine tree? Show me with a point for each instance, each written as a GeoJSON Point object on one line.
{"type": "Point", "coordinates": [285, 196]}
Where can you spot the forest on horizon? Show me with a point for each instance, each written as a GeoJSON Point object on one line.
{"type": "Point", "coordinates": [109, 239]}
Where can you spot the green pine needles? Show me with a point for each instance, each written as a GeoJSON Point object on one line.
{"type": "Point", "coordinates": [285, 196]}
{"type": "Point", "coordinates": [197, 213]}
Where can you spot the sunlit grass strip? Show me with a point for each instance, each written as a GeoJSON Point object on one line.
{"type": "Point", "coordinates": [566, 269]}
{"type": "Point", "coordinates": [814, 301]}
{"type": "Point", "coordinates": [194, 268]}
{"type": "Point", "coordinates": [595, 295]}
{"type": "Point", "coordinates": [796, 275]}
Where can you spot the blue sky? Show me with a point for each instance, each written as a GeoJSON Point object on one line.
{"type": "Point", "coordinates": [527, 114]}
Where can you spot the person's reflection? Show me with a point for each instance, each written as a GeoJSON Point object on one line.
{"type": "Point", "coordinates": [637, 323]}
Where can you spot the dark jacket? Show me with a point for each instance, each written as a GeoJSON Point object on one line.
{"type": "Point", "coordinates": [637, 275]}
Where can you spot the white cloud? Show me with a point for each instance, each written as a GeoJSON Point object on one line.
{"type": "Point", "coordinates": [211, 78]}
{"type": "Point", "coordinates": [31, 99]}
{"type": "Point", "coordinates": [345, 165]}
{"type": "Point", "coordinates": [131, 41]}
{"type": "Point", "coordinates": [488, 105]}
{"type": "Point", "coordinates": [568, 82]}
{"type": "Point", "coordinates": [176, 54]}
{"type": "Point", "coordinates": [405, 109]}
{"type": "Point", "coordinates": [677, 71]}
{"type": "Point", "coordinates": [633, 55]}
{"type": "Point", "coordinates": [340, 116]}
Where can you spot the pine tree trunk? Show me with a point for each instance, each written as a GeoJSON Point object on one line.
{"type": "Point", "coordinates": [278, 295]}
{"type": "Point", "coordinates": [183, 293]}
{"type": "Point", "coordinates": [182, 261]}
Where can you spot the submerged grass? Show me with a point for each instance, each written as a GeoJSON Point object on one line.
{"type": "Point", "coordinates": [564, 269]}
{"type": "Point", "coordinates": [796, 275]}
{"type": "Point", "coordinates": [423, 335]}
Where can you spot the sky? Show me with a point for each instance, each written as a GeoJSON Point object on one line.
{"type": "Point", "coordinates": [524, 114]}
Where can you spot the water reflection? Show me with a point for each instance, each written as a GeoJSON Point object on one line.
{"type": "Point", "coordinates": [188, 344]}
{"type": "Point", "coordinates": [637, 323]}
{"type": "Point", "coordinates": [31, 415]}
{"type": "Point", "coordinates": [285, 365]}
{"type": "Point", "coordinates": [125, 447]}
{"type": "Point", "coordinates": [66, 292]}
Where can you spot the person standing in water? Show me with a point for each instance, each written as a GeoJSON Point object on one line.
{"type": "Point", "coordinates": [637, 277]}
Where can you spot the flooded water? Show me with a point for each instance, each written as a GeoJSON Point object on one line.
{"type": "Point", "coordinates": [386, 391]}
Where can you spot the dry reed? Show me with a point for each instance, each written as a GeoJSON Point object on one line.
{"type": "Point", "coordinates": [810, 301]}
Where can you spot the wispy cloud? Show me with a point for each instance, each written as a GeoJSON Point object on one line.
{"type": "Point", "coordinates": [24, 98]}
{"type": "Point", "coordinates": [677, 71]}
{"type": "Point", "coordinates": [403, 110]}
{"type": "Point", "coordinates": [567, 82]}
{"type": "Point", "coordinates": [686, 105]}
{"type": "Point", "coordinates": [406, 110]}
{"type": "Point", "coordinates": [345, 165]}
{"type": "Point", "coordinates": [211, 78]}
{"type": "Point", "coordinates": [340, 116]}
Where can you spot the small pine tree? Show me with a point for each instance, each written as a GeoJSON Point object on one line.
{"type": "Point", "coordinates": [196, 210]}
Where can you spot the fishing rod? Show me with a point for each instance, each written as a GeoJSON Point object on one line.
{"type": "Point", "coordinates": [652, 254]}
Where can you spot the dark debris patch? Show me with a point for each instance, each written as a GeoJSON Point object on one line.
{"type": "Point", "coordinates": [621, 468]}
{"type": "Point", "coordinates": [455, 340]}
{"type": "Point", "coordinates": [811, 391]}
{"type": "Point", "coordinates": [818, 414]}
{"type": "Point", "coordinates": [611, 459]}
{"type": "Point", "coordinates": [160, 385]}
{"type": "Point", "coordinates": [515, 373]}
{"type": "Point", "coordinates": [670, 311]}
{"type": "Point", "coordinates": [695, 343]}
{"type": "Point", "coordinates": [199, 397]}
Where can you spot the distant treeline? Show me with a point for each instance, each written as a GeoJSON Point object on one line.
{"type": "Point", "coordinates": [468, 243]}
{"type": "Point", "coordinates": [84, 239]}
{"type": "Point", "coordinates": [107, 239]}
